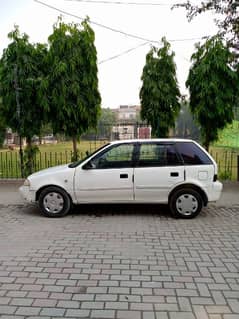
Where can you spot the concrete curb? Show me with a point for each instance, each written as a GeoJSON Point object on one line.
{"type": "Point", "coordinates": [11, 180]}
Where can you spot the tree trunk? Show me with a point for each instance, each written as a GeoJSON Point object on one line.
{"type": "Point", "coordinates": [21, 157]}
{"type": "Point", "coordinates": [207, 144]}
{"type": "Point", "coordinates": [75, 153]}
{"type": "Point", "coordinates": [29, 156]}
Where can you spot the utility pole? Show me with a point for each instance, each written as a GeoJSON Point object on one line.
{"type": "Point", "coordinates": [17, 89]}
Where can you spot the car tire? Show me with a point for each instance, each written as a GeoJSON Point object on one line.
{"type": "Point", "coordinates": [54, 202]}
{"type": "Point", "coordinates": [185, 203]}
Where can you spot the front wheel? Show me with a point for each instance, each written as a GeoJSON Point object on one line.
{"type": "Point", "coordinates": [185, 203]}
{"type": "Point", "coordinates": [54, 202]}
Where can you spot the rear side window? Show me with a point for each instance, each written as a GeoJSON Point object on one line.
{"type": "Point", "coordinates": [192, 154]}
{"type": "Point", "coordinates": [153, 154]}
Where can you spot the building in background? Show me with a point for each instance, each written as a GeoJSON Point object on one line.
{"type": "Point", "coordinates": [128, 124]}
{"type": "Point", "coordinates": [128, 113]}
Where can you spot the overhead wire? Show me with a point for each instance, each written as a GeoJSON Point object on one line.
{"type": "Point", "coordinates": [113, 29]}
{"type": "Point", "coordinates": [123, 3]}
{"type": "Point", "coordinates": [123, 53]}
{"type": "Point", "coordinates": [146, 41]}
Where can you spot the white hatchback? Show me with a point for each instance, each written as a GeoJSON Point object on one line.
{"type": "Point", "coordinates": [177, 172]}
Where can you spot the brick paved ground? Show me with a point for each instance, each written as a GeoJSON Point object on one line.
{"type": "Point", "coordinates": [138, 264]}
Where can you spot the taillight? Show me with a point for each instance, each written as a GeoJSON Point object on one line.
{"type": "Point", "coordinates": [215, 177]}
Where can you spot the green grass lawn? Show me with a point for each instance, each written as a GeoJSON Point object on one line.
{"type": "Point", "coordinates": [229, 137]}
{"type": "Point", "coordinates": [82, 146]}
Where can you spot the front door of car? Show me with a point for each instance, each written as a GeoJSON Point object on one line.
{"type": "Point", "coordinates": [107, 177]}
{"type": "Point", "coordinates": [157, 170]}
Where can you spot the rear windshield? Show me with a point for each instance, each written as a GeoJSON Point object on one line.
{"type": "Point", "coordinates": [192, 154]}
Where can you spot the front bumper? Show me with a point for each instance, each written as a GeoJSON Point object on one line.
{"type": "Point", "coordinates": [27, 194]}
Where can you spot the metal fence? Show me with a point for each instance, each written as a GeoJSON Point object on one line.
{"type": "Point", "coordinates": [10, 162]}
{"type": "Point", "coordinates": [227, 160]}
{"type": "Point", "coordinates": [228, 163]}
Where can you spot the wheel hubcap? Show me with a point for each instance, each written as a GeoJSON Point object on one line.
{"type": "Point", "coordinates": [187, 204]}
{"type": "Point", "coordinates": [53, 203]}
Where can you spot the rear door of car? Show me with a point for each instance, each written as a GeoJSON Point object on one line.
{"type": "Point", "coordinates": [158, 168]}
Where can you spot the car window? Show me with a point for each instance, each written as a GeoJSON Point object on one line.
{"type": "Point", "coordinates": [192, 154]}
{"type": "Point", "coordinates": [173, 158]}
{"type": "Point", "coordinates": [155, 154]}
{"type": "Point", "coordinates": [75, 164]}
{"type": "Point", "coordinates": [118, 156]}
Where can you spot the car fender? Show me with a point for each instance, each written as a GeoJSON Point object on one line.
{"type": "Point", "coordinates": [193, 184]}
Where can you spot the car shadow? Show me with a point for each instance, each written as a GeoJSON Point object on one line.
{"type": "Point", "coordinates": [100, 210]}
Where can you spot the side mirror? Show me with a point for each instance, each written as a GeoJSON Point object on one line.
{"type": "Point", "coordinates": [89, 165]}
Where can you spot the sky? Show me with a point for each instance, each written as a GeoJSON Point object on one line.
{"type": "Point", "coordinates": [119, 78]}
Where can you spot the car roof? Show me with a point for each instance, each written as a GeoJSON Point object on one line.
{"type": "Point", "coordinates": [165, 140]}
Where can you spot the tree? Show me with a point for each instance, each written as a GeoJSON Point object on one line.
{"type": "Point", "coordinates": [22, 88]}
{"type": "Point", "coordinates": [73, 83]}
{"type": "Point", "coordinates": [229, 18]}
{"type": "Point", "coordinates": [160, 94]}
{"type": "Point", "coordinates": [213, 86]}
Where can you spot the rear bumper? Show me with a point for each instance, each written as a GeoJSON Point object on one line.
{"type": "Point", "coordinates": [27, 194]}
{"type": "Point", "coordinates": [215, 192]}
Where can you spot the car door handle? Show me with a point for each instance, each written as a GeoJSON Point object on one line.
{"type": "Point", "coordinates": [124, 176]}
{"type": "Point", "coordinates": [174, 174]}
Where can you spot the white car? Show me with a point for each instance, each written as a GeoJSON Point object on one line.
{"type": "Point", "coordinates": [177, 172]}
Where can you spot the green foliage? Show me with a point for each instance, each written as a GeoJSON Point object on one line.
{"type": "Point", "coordinates": [229, 136]}
{"type": "Point", "coordinates": [225, 175]}
{"type": "Point", "coordinates": [23, 87]}
{"type": "Point", "coordinates": [160, 94]}
{"type": "Point", "coordinates": [22, 68]}
{"type": "Point", "coordinates": [46, 129]}
{"type": "Point", "coordinates": [72, 81]}
{"type": "Point", "coordinates": [213, 86]}
{"type": "Point", "coordinates": [236, 113]}
{"type": "Point", "coordinates": [2, 133]}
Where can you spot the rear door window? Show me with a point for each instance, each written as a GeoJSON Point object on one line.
{"type": "Point", "coordinates": [155, 154]}
{"type": "Point", "coordinates": [192, 154]}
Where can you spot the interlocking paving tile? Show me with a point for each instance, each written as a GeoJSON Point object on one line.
{"type": "Point", "coordinates": [126, 262]}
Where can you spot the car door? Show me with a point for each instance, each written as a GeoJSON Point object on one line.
{"type": "Point", "coordinates": [108, 177]}
{"type": "Point", "coordinates": [158, 169]}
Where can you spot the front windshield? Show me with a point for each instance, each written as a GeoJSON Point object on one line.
{"type": "Point", "coordinates": [75, 164]}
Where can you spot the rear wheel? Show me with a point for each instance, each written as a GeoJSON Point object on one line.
{"type": "Point", "coordinates": [54, 202]}
{"type": "Point", "coordinates": [185, 203]}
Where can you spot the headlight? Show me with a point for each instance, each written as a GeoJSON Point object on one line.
{"type": "Point", "coordinates": [26, 182]}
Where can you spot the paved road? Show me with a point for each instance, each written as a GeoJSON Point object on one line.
{"type": "Point", "coordinates": [118, 262]}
